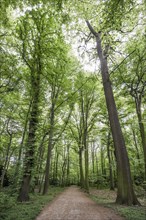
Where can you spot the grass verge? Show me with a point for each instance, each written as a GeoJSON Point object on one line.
{"type": "Point", "coordinates": [128, 212]}
{"type": "Point", "coordinates": [12, 210]}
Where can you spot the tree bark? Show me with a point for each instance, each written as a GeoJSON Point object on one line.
{"type": "Point", "coordinates": [136, 147]}
{"type": "Point", "coordinates": [93, 158]}
{"type": "Point", "coordinates": [82, 182]}
{"type": "Point", "coordinates": [125, 193]}
{"type": "Point", "coordinates": [68, 165]}
{"type": "Point", "coordinates": [6, 160]}
{"type": "Point", "coordinates": [142, 130]}
{"type": "Point", "coordinates": [31, 141]}
{"type": "Point", "coordinates": [16, 176]}
{"type": "Point", "coordinates": [39, 162]}
{"type": "Point", "coordinates": [50, 146]}
{"type": "Point", "coordinates": [84, 111]}
{"type": "Point", "coordinates": [110, 164]}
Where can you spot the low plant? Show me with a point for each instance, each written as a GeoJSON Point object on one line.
{"type": "Point", "coordinates": [10, 209]}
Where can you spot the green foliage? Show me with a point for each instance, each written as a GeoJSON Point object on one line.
{"type": "Point", "coordinates": [132, 213]}
{"type": "Point", "coordinates": [10, 209]}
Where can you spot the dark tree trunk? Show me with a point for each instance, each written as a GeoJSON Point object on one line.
{"type": "Point", "coordinates": [125, 193]}
{"type": "Point", "coordinates": [31, 141]}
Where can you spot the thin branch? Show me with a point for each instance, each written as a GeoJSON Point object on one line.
{"type": "Point", "coordinates": [122, 61]}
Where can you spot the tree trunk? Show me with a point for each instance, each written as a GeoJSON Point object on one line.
{"type": "Point", "coordinates": [136, 147]}
{"type": "Point", "coordinates": [110, 164]}
{"type": "Point", "coordinates": [93, 157]}
{"type": "Point", "coordinates": [125, 193]}
{"type": "Point", "coordinates": [39, 162]}
{"type": "Point", "coordinates": [31, 141]}
{"type": "Point", "coordinates": [6, 160]}
{"type": "Point", "coordinates": [102, 161]}
{"type": "Point", "coordinates": [86, 169]}
{"type": "Point", "coordinates": [56, 166]}
{"type": "Point", "coordinates": [97, 171]}
{"type": "Point", "coordinates": [142, 131]}
{"type": "Point", "coordinates": [68, 165]}
{"type": "Point", "coordinates": [16, 176]}
{"type": "Point", "coordinates": [63, 171]}
{"type": "Point", "coordinates": [84, 111]}
{"type": "Point", "coordinates": [82, 181]}
{"type": "Point", "coordinates": [50, 146]}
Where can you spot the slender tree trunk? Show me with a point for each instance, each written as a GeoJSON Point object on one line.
{"type": "Point", "coordinates": [16, 176]}
{"type": "Point", "coordinates": [125, 194]}
{"type": "Point", "coordinates": [97, 171]}
{"type": "Point", "coordinates": [50, 146]}
{"type": "Point", "coordinates": [85, 134]}
{"type": "Point", "coordinates": [41, 182]}
{"type": "Point", "coordinates": [102, 161]}
{"type": "Point", "coordinates": [110, 163]}
{"type": "Point", "coordinates": [93, 158]}
{"type": "Point", "coordinates": [68, 166]}
{"type": "Point", "coordinates": [56, 166]}
{"type": "Point", "coordinates": [82, 181]}
{"type": "Point", "coordinates": [63, 172]}
{"type": "Point", "coordinates": [136, 147]}
{"type": "Point", "coordinates": [6, 160]}
{"type": "Point", "coordinates": [86, 169]}
{"type": "Point", "coordinates": [84, 112]}
{"type": "Point", "coordinates": [86, 159]}
{"type": "Point", "coordinates": [142, 131]}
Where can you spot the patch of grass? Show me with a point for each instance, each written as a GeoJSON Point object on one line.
{"type": "Point", "coordinates": [132, 213]}
{"type": "Point", "coordinates": [129, 212]}
{"type": "Point", "coordinates": [12, 210]}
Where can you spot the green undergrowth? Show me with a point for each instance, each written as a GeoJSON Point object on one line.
{"type": "Point", "coordinates": [128, 212]}
{"type": "Point", "coordinates": [12, 210]}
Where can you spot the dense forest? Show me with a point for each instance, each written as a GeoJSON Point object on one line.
{"type": "Point", "coordinates": [73, 96]}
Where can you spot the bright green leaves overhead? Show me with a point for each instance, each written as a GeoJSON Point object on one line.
{"type": "Point", "coordinates": [115, 11]}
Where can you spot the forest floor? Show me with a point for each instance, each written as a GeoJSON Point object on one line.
{"type": "Point", "coordinates": [73, 204]}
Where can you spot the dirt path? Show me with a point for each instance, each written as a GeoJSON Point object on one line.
{"type": "Point", "coordinates": [73, 204]}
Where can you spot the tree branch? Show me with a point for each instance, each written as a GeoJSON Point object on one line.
{"type": "Point", "coordinates": [91, 29]}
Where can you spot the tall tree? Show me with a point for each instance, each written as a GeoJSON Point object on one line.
{"type": "Point", "coordinates": [125, 194]}
{"type": "Point", "coordinates": [34, 65]}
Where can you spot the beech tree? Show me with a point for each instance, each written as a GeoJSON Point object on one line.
{"type": "Point", "coordinates": [125, 192]}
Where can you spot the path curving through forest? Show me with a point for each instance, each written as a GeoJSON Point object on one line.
{"type": "Point", "coordinates": [73, 204]}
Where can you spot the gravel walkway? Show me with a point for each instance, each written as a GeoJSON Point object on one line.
{"type": "Point", "coordinates": [73, 204]}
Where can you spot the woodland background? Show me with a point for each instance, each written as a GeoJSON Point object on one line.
{"type": "Point", "coordinates": [56, 129]}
